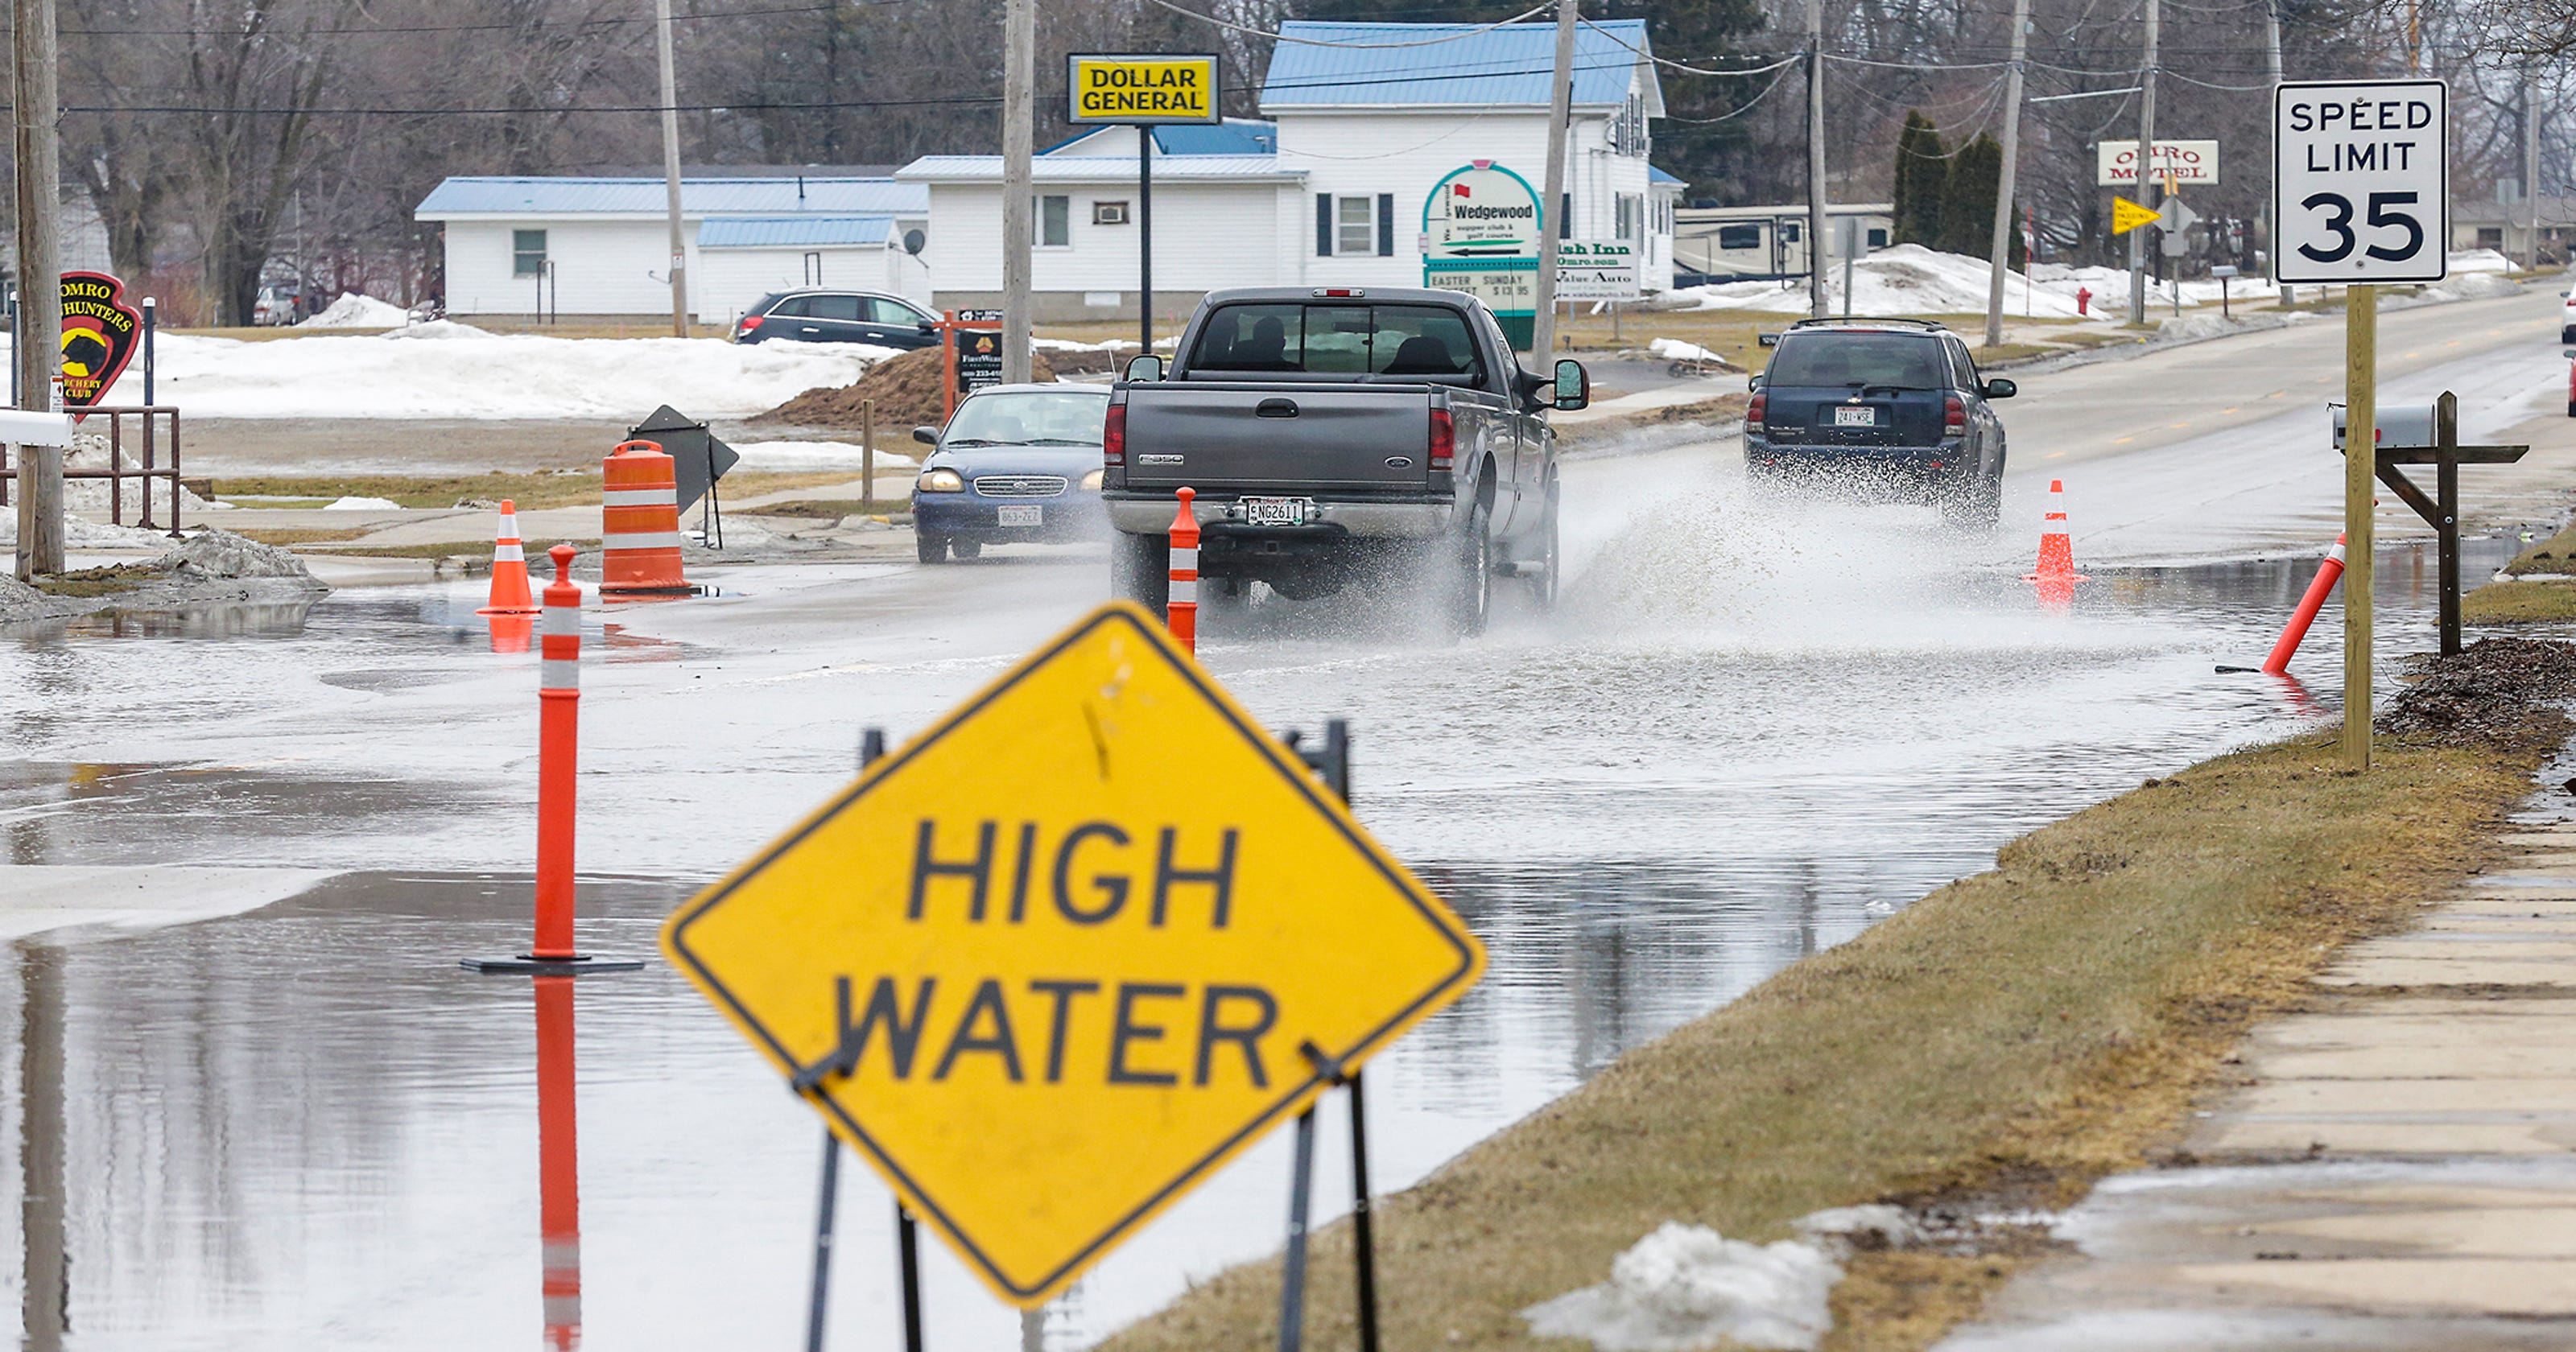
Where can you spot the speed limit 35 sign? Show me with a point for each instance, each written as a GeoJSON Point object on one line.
{"type": "Point", "coordinates": [2361, 181]}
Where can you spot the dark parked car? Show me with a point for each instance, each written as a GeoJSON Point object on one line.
{"type": "Point", "coordinates": [1882, 407]}
{"type": "Point", "coordinates": [818, 316]}
{"type": "Point", "coordinates": [1016, 463]}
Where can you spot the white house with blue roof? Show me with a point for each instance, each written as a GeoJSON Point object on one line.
{"type": "Point", "coordinates": [1361, 121]}
{"type": "Point", "coordinates": [600, 246]}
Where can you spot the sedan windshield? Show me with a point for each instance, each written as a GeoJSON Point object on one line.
{"type": "Point", "coordinates": [1852, 360]}
{"type": "Point", "coordinates": [1025, 417]}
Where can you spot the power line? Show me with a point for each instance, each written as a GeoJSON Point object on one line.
{"type": "Point", "coordinates": [355, 31]}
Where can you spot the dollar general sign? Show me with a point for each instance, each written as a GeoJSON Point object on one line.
{"type": "Point", "coordinates": [1140, 89]}
{"type": "Point", "coordinates": [1060, 957]}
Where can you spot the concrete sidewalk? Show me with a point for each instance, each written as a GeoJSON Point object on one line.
{"type": "Point", "coordinates": [2399, 1171]}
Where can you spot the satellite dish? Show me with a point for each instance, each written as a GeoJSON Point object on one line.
{"type": "Point", "coordinates": [913, 240]}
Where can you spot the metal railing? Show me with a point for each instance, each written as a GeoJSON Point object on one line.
{"type": "Point", "coordinates": [116, 472]}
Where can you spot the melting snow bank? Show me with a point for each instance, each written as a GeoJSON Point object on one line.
{"type": "Point", "coordinates": [444, 369]}
{"type": "Point", "coordinates": [212, 567]}
{"type": "Point", "coordinates": [358, 310]}
{"type": "Point", "coordinates": [1686, 1287]}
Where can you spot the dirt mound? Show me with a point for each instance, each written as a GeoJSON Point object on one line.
{"type": "Point", "coordinates": [906, 390]}
{"type": "Point", "coordinates": [2496, 690]}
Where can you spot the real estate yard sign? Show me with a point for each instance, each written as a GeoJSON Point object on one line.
{"type": "Point", "coordinates": [1480, 235]}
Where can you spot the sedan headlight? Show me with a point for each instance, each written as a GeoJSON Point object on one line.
{"type": "Point", "coordinates": [939, 481]}
{"type": "Point", "coordinates": [1092, 480]}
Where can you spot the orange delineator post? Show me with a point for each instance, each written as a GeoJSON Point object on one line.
{"type": "Point", "coordinates": [509, 568]}
{"type": "Point", "coordinates": [1181, 607]}
{"type": "Point", "coordinates": [2296, 631]}
{"type": "Point", "coordinates": [2056, 546]}
{"type": "Point", "coordinates": [558, 751]}
{"type": "Point", "coordinates": [558, 1167]}
{"type": "Point", "coordinates": [640, 523]}
{"type": "Point", "coordinates": [558, 754]}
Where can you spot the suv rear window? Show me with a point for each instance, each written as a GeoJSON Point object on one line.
{"type": "Point", "coordinates": [1851, 360]}
{"type": "Point", "coordinates": [1423, 342]}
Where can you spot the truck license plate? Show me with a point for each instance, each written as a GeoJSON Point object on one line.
{"type": "Point", "coordinates": [1847, 416]}
{"type": "Point", "coordinates": [1022, 514]}
{"type": "Point", "coordinates": [1277, 511]}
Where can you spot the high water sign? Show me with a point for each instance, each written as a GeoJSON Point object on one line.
{"type": "Point", "coordinates": [1059, 958]}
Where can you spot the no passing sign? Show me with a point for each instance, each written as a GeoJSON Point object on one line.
{"type": "Point", "coordinates": [2360, 181]}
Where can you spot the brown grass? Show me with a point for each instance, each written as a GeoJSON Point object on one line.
{"type": "Point", "coordinates": [2515, 601]}
{"type": "Point", "coordinates": [2019, 1033]}
{"type": "Point", "coordinates": [530, 491]}
{"type": "Point", "coordinates": [2557, 554]}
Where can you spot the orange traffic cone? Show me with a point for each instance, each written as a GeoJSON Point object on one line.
{"type": "Point", "coordinates": [2056, 547]}
{"type": "Point", "coordinates": [509, 569]}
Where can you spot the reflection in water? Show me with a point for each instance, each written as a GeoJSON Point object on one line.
{"type": "Point", "coordinates": [44, 1304]}
{"type": "Point", "coordinates": [558, 1165]}
{"type": "Point", "coordinates": [240, 619]}
{"type": "Point", "coordinates": [511, 633]}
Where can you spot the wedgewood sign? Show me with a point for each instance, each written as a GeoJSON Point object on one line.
{"type": "Point", "coordinates": [100, 335]}
{"type": "Point", "coordinates": [1481, 210]}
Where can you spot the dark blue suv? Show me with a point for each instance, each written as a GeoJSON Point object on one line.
{"type": "Point", "coordinates": [1888, 408]}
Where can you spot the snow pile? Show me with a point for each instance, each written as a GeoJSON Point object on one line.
{"type": "Point", "coordinates": [1845, 1230]}
{"type": "Point", "coordinates": [220, 553]}
{"type": "Point", "coordinates": [1906, 280]}
{"type": "Point", "coordinates": [362, 505]}
{"type": "Point", "coordinates": [464, 372]}
{"type": "Point", "coordinates": [358, 310]}
{"type": "Point", "coordinates": [799, 456]}
{"type": "Point", "coordinates": [1686, 1287]}
{"type": "Point", "coordinates": [2473, 286]}
{"type": "Point", "coordinates": [79, 532]}
{"type": "Point", "coordinates": [2479, 260]}
{"type": "Point", "coordinates": [91, 450]}
{"type": "Point", "coordinates": [1674, 349]}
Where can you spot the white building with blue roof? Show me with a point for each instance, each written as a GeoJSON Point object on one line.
{"type": "Point", "coordinates": [1361, 122]}
{"type": "Point", "coordinates": [600, 246]}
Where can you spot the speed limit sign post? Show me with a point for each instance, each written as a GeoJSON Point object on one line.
{"type": "Point", "coordinates": [2361, 190]}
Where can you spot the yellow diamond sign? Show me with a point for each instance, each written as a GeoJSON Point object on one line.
{"type": "Point", "coordinates": [1071, 949]}
{"type": "Point", "coordinates": [2127, 216]}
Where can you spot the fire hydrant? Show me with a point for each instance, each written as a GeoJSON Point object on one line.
{"type": "Point", "coordinates": [2083, 300]}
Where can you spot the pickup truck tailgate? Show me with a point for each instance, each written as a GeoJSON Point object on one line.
{"type": "Point", "coordinates": [1253, 437]}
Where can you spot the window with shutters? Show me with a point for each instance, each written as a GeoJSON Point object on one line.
{"type": "Point", "coordinates": [1354, 225]}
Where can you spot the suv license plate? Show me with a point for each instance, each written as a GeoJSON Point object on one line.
{"type": "Point", "coordinates": [1277, 511]}
{"type": "Point", "coordinates": [1847, 416]}
{"type": "Point", "coordinates": [1022, 514]}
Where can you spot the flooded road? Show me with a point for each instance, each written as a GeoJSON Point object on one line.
{"type": "Point", "coordinates": [1746, 736]}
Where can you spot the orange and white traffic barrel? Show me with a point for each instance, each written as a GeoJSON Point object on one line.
{"type": "Point", "coordinates": [1181, 606]}
{"type": "Point", "coordinates": [509, 568]}
{"type": "Point", "coordinates": [640, 524]}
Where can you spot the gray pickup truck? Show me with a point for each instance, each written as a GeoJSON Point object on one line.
{"type": "Point", "coordinates": [1335, 435]}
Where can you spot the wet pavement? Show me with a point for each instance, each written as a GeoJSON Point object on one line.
{"type": "Point", "coordinates": [1749, 732]}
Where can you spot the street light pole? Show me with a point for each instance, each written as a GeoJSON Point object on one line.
{"type": "Point", "coordinates": [40, 281]}
{"type": "Point", "coordinates": [1551, 213]}
{"type": "Point", "coordinates": [2004, 182]}
{"type": "Point", "coordinates": [1019, 207]}
{"type": "Point", "coordinates": [2142, 239]}
{"type": "Point", "coordinates": [671, 167]}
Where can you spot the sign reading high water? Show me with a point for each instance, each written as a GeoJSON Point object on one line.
{"type": "Point", "coordinates": [1070, 950]}
{"type": "Point", "coordinates": [1133, 90]}
{"type": "Point", "coordinates": [100, 335]}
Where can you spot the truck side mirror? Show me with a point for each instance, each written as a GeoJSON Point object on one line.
{"type": "Point", "coordinates": [927, 436]}
{"type": "Point", "coordinates": [1573, 385]}
{"type": "Point", "coordinates": [1144, 366]}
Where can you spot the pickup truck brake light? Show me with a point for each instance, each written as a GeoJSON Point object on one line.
{"type": "Point", "coordinates": [1342, 292]}
{"type": "Point", "coordinates": [1113, 437]}
{"type": "Point", "coordinates": [1753, 413]}
{"type": "Point", "coordinates": [1954, 417]}
{"type": "Point", "coordinates": [1444, 441]}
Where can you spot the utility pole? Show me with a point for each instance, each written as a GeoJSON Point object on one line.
{"type": "Point", "coordinates": [1816, 158]}
{"type": "Point", "coordinates": [671, 168]}
{"type": "Point", "coordinates": [2531, 168]}
{"type": "Point", "coordinates": [1019, 205]}
{"type": "Point", "coordinates": [40, 281]}
{"type": "Point", "coordinates": [2004, 185]}
{"type": "Point", "coordinates": [2142, 239]}
{"type": "Point", "coordinates": [1551, 213]}
{"type": "Point", "coordinates": [2272, 67]}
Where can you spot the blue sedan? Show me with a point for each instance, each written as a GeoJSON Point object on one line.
{"type": "Point", "coordinates": [1016, 464]}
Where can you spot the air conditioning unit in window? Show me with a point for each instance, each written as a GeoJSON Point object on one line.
{"type": "Point", "coordinates": [1108, 213]}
